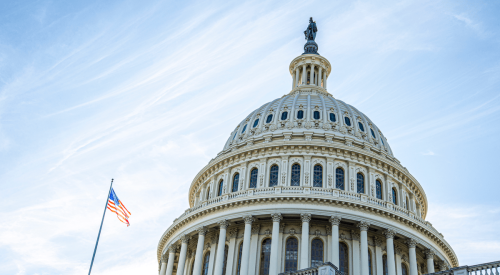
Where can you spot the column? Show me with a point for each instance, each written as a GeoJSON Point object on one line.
{"type": "Point", "coordinates": [171, 259]}
{"type": "Point", "coordinates": [182, 257]}
{"type": "Point", "coordinates": [213, 252]}
{"type": "Point", "coordinates": [294, 76]}
{"type": "Point", "coordinates": [233, 232]}
{"type": "Point", "coordinates": [198, 259]}
{"type": "Point", "coordinates": [304, 73]}
{"type": "Point", "coordinates": [280, 248]}
{"type": "Point", "coordinates": [378, 256]}
{"type": "Point", "coordinates": [324, 80]}
{"type": "Point", "coordinates": [363, 227]}
{"type": "Point", "coordinates": [252, 260]}
{"type": "Point", "coordinates": [274, 243]}
{"type": "Point", "coordinates": [304, 243]}
{"type": "Point", "coordinates": [320, 74]}
{"type": "Point", "coordinates": [335, 221]}
{"type": "Point", "coordinates": [397, 259]}
{"type": "Point", "coordinates": [163, 267]}
{"type": "Point", "coordinates": [429, 255]}
{"type": "Point", "coordinates": [312, 74]}
{"type": "Point", "coordinates": [391, 265]}
{"type": "Point", "coordinates": [219, 259]}
{"type": "Point", "coordinates": [246, 244]}
{"type": "Point", "coordinates": [412, 254]}
{"type": "Point", "coordinates": [443, 266]}
{"type": "Point", "coordinates": [297, 71]}
{"type": "Point", "coordinates": [356, 265]}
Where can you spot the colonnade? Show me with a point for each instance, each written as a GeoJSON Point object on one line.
{"type": "Point", "coordinates": [247, 263]}
{"type": "Point", "coordinates": [317, 76]}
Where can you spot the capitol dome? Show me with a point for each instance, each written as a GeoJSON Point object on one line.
{"type": "Point", "coordinates": [302, 180]}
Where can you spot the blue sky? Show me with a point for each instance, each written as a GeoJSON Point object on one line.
{"type": "Point", "coordinates": [147, 92]}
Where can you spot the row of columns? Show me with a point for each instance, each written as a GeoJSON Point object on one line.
{"type": "Point", "coordinates": [167, 265]}
{"type": "Point", "coordinates": [320, 76]}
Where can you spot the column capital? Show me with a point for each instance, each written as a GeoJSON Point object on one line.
{"type": "Point", "coordinates": [249, 219]}
{"type": "Point", "coordinates": [389, 234]}
{"type": "Point", "coordinates": [282, 227]}
{"type": "Point", "coordinates": [363, 225]}
{"type": "Point", "coordinates": [233, 232]}
{"type": "Point", "coordinates": [172, 248]}
{"type": "Point", "coordinates": [255, 228]}
{"type": "Point", "coordinates": [305, 217]}
{"type": "Point", "coordinates": [398, 250]}
{"type": "Point", "coordinates": [185, 238]}
{"type": "Point", "coordinates": [276, 217]}
{"type": "Point", "coordinates": [443, 266]}
{"type": "Point", "coordinates": [429, 254]}
{"type": "Point", "coordinates": [223, 224]}
{"type": "Point", "coordinates": [377, 241]}
{"type": "Point", "coordinates": [214, 239]}
{"type": "Point", "coordinates": [164, 258]}
{"type": "Point", "coordinates": [202, 231]}
{"type": "Point", "coordinates": [334, 220]}
{"type": "Point", "coordinates": [354, 235]}
{"type": "Point", "coordinates": [412, 243]}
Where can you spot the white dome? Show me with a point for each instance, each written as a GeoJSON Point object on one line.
{"type": "Point", "coordinates": [272, 124]}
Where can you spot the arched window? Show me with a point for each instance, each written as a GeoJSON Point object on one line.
{"type": "Point", "coordinates": [378, 187]}
{"type": "Point", "coordinates": [339, 178]}
{"type": "Point", "coordinates": [373, 133]}
{"type": "Point", "coordinates": [369, 262]}
{"type": "Point", "coordinates": [253, 177]}
{"type": "Point", "coordinates": [240, 251]}
{"type": "Point", "coordinates": [226, 250]}
{"type": "Point", "coordinates": [235, 135]}
{"type": "Point", "coordinates": [382, 141]}
{"type": "Point", "coordinates": [273, 176]}
{"type": "Point", "coordinates": [343, 258]}
{"type": "Point", "coordinates": [291, 254]}
{"type": "Point", "coordinates": [361, 183]}
{"type": "Point", "coordinates": [394, 196]}
{"type": "Point", "coordinates": [347, 121]}
{"type": "Point", "coordinates": [269, 118]}
{"type": "Point", "coordinates": [265, 257]}
{"type": "Point", "coordinates": [236, 180]}
{"type": "Point", "coordinates": [316, 252]}
{"type": "Point", "coordinates": [316, 115]}
{"type": "Point", "coordinates": [332, 117]}
{"type": "Point", "coordinates": [384, 265]}
{"type": "Point", "coordinates": [256, 122]}
{"type": "Point", "coordinates": [295, 178]}
{"type": "Point", "coordinates": [244, 128]}
{"type": "Point", "coordinates": [284, 115]}
{"type": "Point", "coordinates": [208, 193]}
{"type": "Point", "coordinates": [221, 188]}
{"type": "Point", "coordinates": [404, 270]}
{"type": "Point", "coordinates": [318, 176]}
{"type": "Point", "coordinates": [206, 261]}
{"type": "Point", "coordinates": [407, 203]}
{"type": "Point", "coordinates": [360, 125]}
{"type": "Point", "coordinates": [300, 114]}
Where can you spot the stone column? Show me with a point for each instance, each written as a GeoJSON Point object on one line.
{"type": "Point", "coordinates": [312, 74]}
{"type": "Point", "coordinates": [304, 74]}
{"type": "Point", "coordinates": [182, 257]}
{"type": "Point", "coordinates": [335, 221]}
{"type": "Point", "coordinates": [443, 266]}
{"type": "Point", "coordinates": [198, 259]}
{"type": "Point", "coordinates": [246, 244]}
{"type": "Point", "coordinates": [320, 74]}
{"type": "Point", "coordinates": [378, 256]}
{"type": "Point", "coordinates": [171, 259]}
{"type": "Point", "coordinates": [294, 79]}
{"type": "Point", "coordinates": [297, 71]}
{"type": "Point", "coordinates": [324, 80]}
{"type": "Point", "coordinates": [232, 251]}
{"type": "Point", "coordinates": [273, 266]}
{"type": "Point", "coordinates": [252, 260]}
{"type": "Point", "coordinates": [163, 268]}
{"type": "Point", "coordinates": [412, 254]}
{"type": "Point", "coordinates": [219, 259]}
{"type": "Point", "coordinates": [429, 255]}
{"type": "Point", "coordinates": [304, 251]}
{"type": "Point", "coordinates": [397, 259]}
{"type": "Point", "coordinates": [363, 227]}
{"type": "Point", "coordinates": [213, 252]}
{"type": "Point", "coordinates": [391, 264]}
{"type": "Point", "coordinates": [356, 264]}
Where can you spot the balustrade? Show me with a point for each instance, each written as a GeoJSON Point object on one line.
{"type": "Point", "coordinates": [480, 269]}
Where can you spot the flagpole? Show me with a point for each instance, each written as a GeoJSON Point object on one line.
{"type": "Point", "coordinates": [106, 206]}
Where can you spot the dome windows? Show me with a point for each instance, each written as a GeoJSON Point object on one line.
{"type": "Point", "coordinates": [269, 118]}
{"type": "Point", "coordinates": [378, 188]}
{"type": "Point", "coordinates": [332, 117]}
{"type": "Point", "coordinates": [244, 129]}
{"type": "Point", "coordinates": [347, 121]}
{"type": "Point", "coordinates": [295, 177]}
{"type": "Point", "coordinates": [253, 178]}
{"type": "Point", "coordinates": [300, 114]}
{"type": "Point", "coordinates": [256, 123]}
{"type": "Point", "coordinates": [382, 141]}
{"type": "Point", "coordinates": [236, 180]}
{"type": "Point", "coordinates": [339, 178]}
{"type": "Point", "coordinates": [394, 196]}
{"type": "Point", "coordinates": [273, 176]}
{"type": "Point", "coordinates": [284, 115]}
{"type": "Point", "coordinates": [373, 133]}
{"type": "Point", "coordinates": [361, 183]}
{"type": "Point", "coordinates": [360, 125]}
{"type": "Point", "coordinates": [316, 114]}
{"type": "Point", "coordinates": [318, 176]}
{"type": "Point", "coordinates": [221, 188]}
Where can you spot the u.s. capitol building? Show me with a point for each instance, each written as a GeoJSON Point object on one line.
{"type": "Point", "coordinates": [302, 180]}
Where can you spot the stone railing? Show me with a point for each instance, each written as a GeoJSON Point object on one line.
{"type": "Point", "coordinates": [480, 269]}
{"type": "Point", "coordinates": [322, 269]}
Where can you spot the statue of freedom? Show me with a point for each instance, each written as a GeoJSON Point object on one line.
{"type": "Point", "coordinates": [311, 30]}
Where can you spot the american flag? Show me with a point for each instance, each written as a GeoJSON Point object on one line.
{"type": "Point", "coordinates": [116, 206]}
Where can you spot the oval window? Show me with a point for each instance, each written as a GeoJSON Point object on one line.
{"type": "Point", "coordinates": [316, 115]}
{"type": "Point", "coordinates": [332, 117]}
{"type": "Point", "coordinates": [269, 118]}
{"type": "Point", "coordinates": [284, 115]}
{"type": "Point", "coordinates": [373, 133]}
{"type": "Point", "coordinates": [347, 121]}
{"type": "Point", "coordinates": [361, 127]}
{"type": "Point", "coordinates": [300, 114]}
{"type": "Point", "coordinates": [255, 123]}
{"type": "Point", "coordinates": [244, 128]}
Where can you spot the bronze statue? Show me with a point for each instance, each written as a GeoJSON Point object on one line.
{"type": "Point", "coordinates": [311, 30]}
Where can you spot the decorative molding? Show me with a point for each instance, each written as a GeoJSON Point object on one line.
{"type": "Point", "coordinates": [223, 224]}
{"type": "Point", "coordinates": [334, 220]}
{"type": "Point", "coordinates": [305, 217]}
{"type": "Point", "coordinates": [276, 217]}
{"type": "Point", "coordinates": [255, 229]}
{"type": "Point", "coordinates": [202, 231]}
{"type": "Point", "coordinates": [377, 241]}
{"type": "Point", "coordinates": [249, 219]}
{"type": "Point", "coordinates": [233, 232]}
{"type": "Point", "coordinates": [389, 234]}
{"type": "Point", "coordinates": [412, 243]}
{"type": "Point", "coordinates": [363, 225]}
{"type": "Point", "coordinates": [354, 235]}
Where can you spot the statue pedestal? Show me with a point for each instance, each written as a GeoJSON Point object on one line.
{"type": "Point", "coordinates": [310, 47]}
